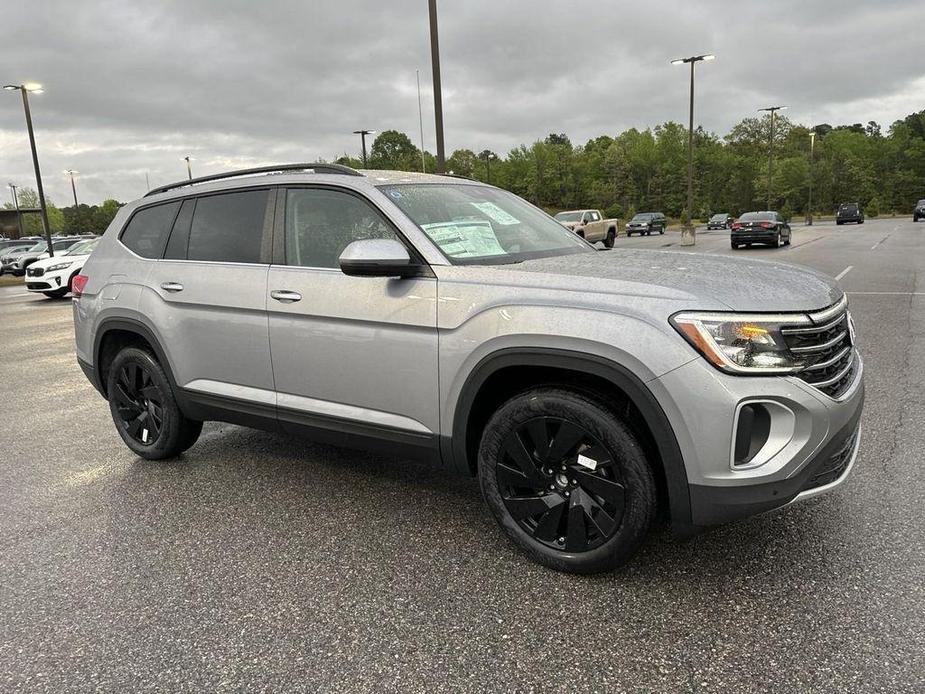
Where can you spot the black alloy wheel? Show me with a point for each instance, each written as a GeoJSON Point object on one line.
{"type": "Point", "coordinates": [560, 484]}
{"type": "Point", "coordinates": [138, 404]}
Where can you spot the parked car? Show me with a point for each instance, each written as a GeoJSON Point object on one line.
{"type": "Point", "coordinates": [39, 251]}
{"type": "Point", "coordinates": [9, 245]}
{"type": "Point", "coordinates": [646, 223]}
{"type": "Point", "coordinates": [11, 255]}
{"type": "Point", "coordinates": [723, 220]}
{"type": "Point", "coordinates": [849, 212]}
{"type": "Point", "coordinates": [590, 225]}
{"type": "Point", "coordinates": [447, 319]}
{"type": "Point", "coordinates": [919, 211]}
{"type": "Point", "coordinates": [53, 276]}
{"type": "Point", "coordinates": [767, 228]}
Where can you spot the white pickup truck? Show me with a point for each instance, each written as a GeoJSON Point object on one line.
{"type": "Point", "coordinates": [590, 225]}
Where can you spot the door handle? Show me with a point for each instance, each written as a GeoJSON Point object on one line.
{"type": "Point", "coordinates": [285, 296]}
{"type": "Point", "coordinates": [171, 286]}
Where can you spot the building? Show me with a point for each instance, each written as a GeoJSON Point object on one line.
{"type": "Point", "coordinates": [9, 225]}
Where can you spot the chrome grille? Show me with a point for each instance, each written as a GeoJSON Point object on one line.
{"type": "Point", "coordinates": [827, 353]}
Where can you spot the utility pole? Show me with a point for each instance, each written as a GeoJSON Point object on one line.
{"type": "Point", "coordinates": [24, 89]}
{"type": "Point", "coordinates": [438, 95]}
{"type": "Point", "coordinates": [363, 134]}
{"type": "Point", "coordinates": [18, 213]}
{"type": "Point", "coordinates": [421, 121]}
{"type": "Point", "coordinates": [189, 167]}
{"type": "Point", "coordinates": [812, 145]}
{"type": "Point", "coordinates": [71, 172]}
{"type": "Point", "coordinates": [688, 232]}
{"type": "Point", "coordinates": [773, 110]}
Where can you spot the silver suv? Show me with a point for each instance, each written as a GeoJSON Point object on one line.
{"type": "Point", "coordinates": [591, 391]}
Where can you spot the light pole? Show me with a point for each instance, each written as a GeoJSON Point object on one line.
{"type": "Point", "coordinates": [18, 213]}
{"type": "Point", "coordinates": [421, 121]}
{"type": "Point", "coordinates": [24, 89]}
{"type": "Point", "coordinates": [71, 172]}
{"type": "Point", "coordinates": [688, 233]}
{"type": "Point", "coordinates": [189, 167]}
{"type": "Point", "coordinates": [438, 93]}
{"type": "Point", "coordinates": [812, 145]}
{"type": "Point", "coordinates": [363, 134]}
{"type": "Point", "coordinates": [772, 110]}
{"type": "Point", "coordinates": [488, 156]}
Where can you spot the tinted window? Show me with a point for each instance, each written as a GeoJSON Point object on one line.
{"type": "Point", "coordinates": [228, 227]}
{"type": "Point", "coordinates": [320, 223]}
{"type": "Point", "coordinates": [756, 216]}
{"type": "Point", "coordinates": [147, 231]}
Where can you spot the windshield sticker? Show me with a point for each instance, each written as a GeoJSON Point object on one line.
{"type": "Point", "coordinates": [496, 213]}
{"type": "Point", "coordinates": [394, 194]}
{"type": "Point", "coordinates": [465, 239]}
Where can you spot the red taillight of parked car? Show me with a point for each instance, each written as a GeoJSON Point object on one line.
{"type": "Point", "coordinates": [78, 284]}
{"type": "Point", "coordinates": [736, 226]}
{"type": "Point", "coordinates": [766, 225]}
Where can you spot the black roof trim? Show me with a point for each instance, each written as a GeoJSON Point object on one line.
{"type": "Point", "coordinates": [279, 168]}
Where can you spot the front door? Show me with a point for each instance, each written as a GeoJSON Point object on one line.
{"type": "Point", "coordinates": [353, 357]}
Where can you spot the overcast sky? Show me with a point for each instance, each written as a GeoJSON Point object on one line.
{"type": "Point", "coordinates": [132, 87]}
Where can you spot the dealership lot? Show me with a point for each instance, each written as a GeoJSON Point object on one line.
{"type": "Point", "coordinates": [258, 560]}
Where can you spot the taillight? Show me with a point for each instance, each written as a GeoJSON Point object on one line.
{"type": "Point", "coordinates": [766, 225]}
{"type": "Point", "coordinates": [78, 284]}
{"type": "Point", "coordinates": [736, 225]}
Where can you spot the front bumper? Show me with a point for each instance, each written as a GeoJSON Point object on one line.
{"type": "Point", "coordinates": [813, 456]}
{"type": "Point", "coordinates": [46, 283]}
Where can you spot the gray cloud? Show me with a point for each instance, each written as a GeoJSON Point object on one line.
{"type": "Point", "coordinates": [133, 87]}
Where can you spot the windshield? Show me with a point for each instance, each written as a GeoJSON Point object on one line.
{"type": "Point", "coordinates": [643, 217]}
{"type": "Point", "coordinates": [756, 216]}
{"type": "Point", "coordinates": [37, 248]}
{"type": "Point", "coordinates": [718, 217]}
{"type": "Point", "coordinates": [479, 225]}
{"type": "Point", "coordinates": [569, 216]}
{"type": "Point", "coordinates": [83, 248]}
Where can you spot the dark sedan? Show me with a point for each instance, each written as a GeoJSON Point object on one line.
{"type": "Point", "coordinates": [919, 211]}
{"type": "Point", "coordinates": [849, 212]}
{"type": "Point", "coordinates": [767, 228]}
{"type": "Point", "coordinates": [723, 220]}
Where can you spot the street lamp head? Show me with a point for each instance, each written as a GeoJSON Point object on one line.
{"type": "Point", "coordinates": [678, 61]}
{"type": "Point", "coordinates": [708, 56]}
{"type": "Point", "coordinates": [71, 172]}
{"type": "Point", "coordinates": [693, 59]}
{"type": "Point", "coordinates": [33, 87]}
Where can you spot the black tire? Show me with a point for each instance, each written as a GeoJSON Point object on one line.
{"type": "Point", "coordinates": [777, 241]}
{"type": "Point", "coordinates": [648, 232]}
{"type": "Point", "coordinates": [787, 242]}
{"type": "Point", "coordinates": [142, 404]}
{"type": "Point", "coordinates": [56, 293]}
{"type": "Point", "coordinates": [661, 230]}
{"type": "Point", "coordinates": [591, 520]}
{"type": "Point", "coordinates": [735, 246]}
{"type": "Point", "coordinates": [610, 238]}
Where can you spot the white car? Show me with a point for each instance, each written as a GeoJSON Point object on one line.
{"type": "Point", "coordinates": [52, 276]}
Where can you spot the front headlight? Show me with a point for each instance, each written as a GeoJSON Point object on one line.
{"type": "Point", "coordinates": [740, 343]}
{"type": "Point", "coordinates": [59, 266]}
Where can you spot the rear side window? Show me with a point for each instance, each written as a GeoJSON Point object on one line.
{"type": "Point", "coordinates": [147, 230]}
{"type": "Point", "coordinates": [228, 227]}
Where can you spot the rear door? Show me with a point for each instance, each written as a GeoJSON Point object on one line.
{"type": "Point", "coordinates": [353, 357]}
{"type": "Point", "coordinates": [207, 297]}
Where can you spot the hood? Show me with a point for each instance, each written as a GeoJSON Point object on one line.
{"type": "Point", "coordinates": [46, 262]}
{"type": "Point", "coordinates": [741, 284]}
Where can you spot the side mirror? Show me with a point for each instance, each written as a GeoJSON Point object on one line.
{"type": "Point", "coordinates": [376, 258]}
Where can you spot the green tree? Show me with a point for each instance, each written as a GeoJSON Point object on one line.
{"type": "Point", "coordinates": [394, 150]}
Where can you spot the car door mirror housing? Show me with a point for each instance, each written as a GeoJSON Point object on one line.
{"type": "Point", "coordinates": [377, 258]}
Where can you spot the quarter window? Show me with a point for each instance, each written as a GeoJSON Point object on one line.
{"type": "Point", "coordinates": [147, 230]}
{"type": "Point", "coordinates": [228, 227]}
{"type": "Point", "coordinates": [321, 222]}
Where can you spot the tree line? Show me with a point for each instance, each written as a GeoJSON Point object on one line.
{"type": "Point", "coordinates": [646, 170]}
{"type": "Point", "coordinates": [82, 219]}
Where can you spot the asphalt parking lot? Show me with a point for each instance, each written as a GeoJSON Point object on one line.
{"type": "Point", "coordinates": [264, 563]}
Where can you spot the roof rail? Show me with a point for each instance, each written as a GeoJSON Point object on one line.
{"type": "Point", "coordinates": [279, 168]}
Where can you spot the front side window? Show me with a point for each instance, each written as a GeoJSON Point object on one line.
{"type": "Point", "coordinates": [473, 224]}
{"type": "Point", "coordinates": [321, 222]}
{"type": "Point", "coordinates": [228, 227]}
{"type": "Point", "coordinates": [569, 216]}
{"type": "Point", "coordinates": [147, 230]}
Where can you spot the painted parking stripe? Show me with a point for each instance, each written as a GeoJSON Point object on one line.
{"type": "Point", "coordinates": [843, 272]}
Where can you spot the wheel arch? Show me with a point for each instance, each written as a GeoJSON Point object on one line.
{"type": "Point", "coordinates": [119, 331]}
{"type": "Point", "coordinates": [585, 370]}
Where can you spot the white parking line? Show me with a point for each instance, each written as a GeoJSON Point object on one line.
{"type": "Point", "coordinates": [874, 247]}
{"type": "Point", "coordinates": [843, 272]}
{"type": "Point", "coordinates": [889, 293]}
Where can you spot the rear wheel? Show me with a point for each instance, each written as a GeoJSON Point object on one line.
{"type": "Point", "coordinates": [566, 480]}
{"type": "Point", "coordinates": [611, 237]}
{"type": "Point", "coordinates": [777, 241]}
{"type": "Point", "coordinates": [144, 409]}
{"type": "Point", "coordinates": [735, 246]}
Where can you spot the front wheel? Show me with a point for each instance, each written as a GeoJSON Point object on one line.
{"type": "Point", "coordinates": [611, 237]}
{"type": "Point", "coordinates": [144, 409]}
{"type": "Point", "coordinates": [566, 480]}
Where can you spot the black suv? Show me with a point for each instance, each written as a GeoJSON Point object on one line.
{"type": "Point", "coordinates": [646, 223]}
{"type": "Point", "coordinates": [849, 212]}
{"type": "Point", "coordinates": [723, 220]}
{"type": "Point", "coordinates": [919, 211]}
